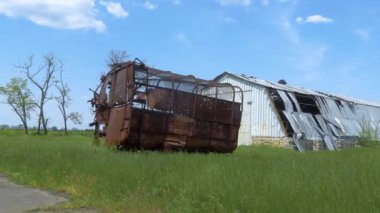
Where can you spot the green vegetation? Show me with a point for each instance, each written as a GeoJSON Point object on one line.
{"type": "Point", "coordinates": [369, 136]}
{"type": "Point", "coordinates": [258, 179]}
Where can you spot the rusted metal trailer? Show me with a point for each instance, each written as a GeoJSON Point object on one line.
{"type": "Point", "coordinates": [139, 107]}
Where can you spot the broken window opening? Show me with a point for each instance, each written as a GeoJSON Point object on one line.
{"type": "Point", "coordinates": [308, 104]}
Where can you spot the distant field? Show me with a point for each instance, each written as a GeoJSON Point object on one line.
{"type": "Point", "coordinates": [257, 179]}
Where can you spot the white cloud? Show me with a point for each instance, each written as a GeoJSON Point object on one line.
{"type": "Point", "coordinates": [264, 2]}
{"type": "Point", "coordinates": [176, 2]}
{"type": "Point", "coordinates": [318, 19]}
{"type": "Point", "coordinates": [299, 19]}
{"type": "Point", "coordinates": [115, 9]}
{"type": "Point", "coordinates": [314, 19]}
{"type": "Point", "coordinates": [69, 14]}
{"type": "Point", "coordinates": [234, 2]}
{"type": "Point", "coordinates": [306, 57]}
{"type": "Point", "coordinates": [149, 5]}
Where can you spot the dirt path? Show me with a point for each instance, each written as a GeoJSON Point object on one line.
{"type": "Point", "coordinates": [17, 198]}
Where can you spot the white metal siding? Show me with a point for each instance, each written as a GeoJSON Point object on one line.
{"type": "Point", "coordinates": [265, 119]}
{"type": "Point", "coordinates": [259, 118]}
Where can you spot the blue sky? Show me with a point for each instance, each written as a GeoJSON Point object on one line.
{"type": "Point", "coordinates": [331, 46]}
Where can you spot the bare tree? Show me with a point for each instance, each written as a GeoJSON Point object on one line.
{"type": "Point", "coordinates": [19, 97]}
{"type": "Point", "coordinates": [116, 56]}
{"type": "Point", "coordinates": [64, 102]}
{"type": "Point", "coordinates": [43, 79]}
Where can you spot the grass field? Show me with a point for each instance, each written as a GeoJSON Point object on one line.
{"type": "Point", "coordinates": [252, 179]}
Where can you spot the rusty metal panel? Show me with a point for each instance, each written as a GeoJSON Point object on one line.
{"type": "Point", "coordinates": [153, 122]}
{"type": "Point", "coordinates": [180, 125]}
{"type": "Point", "coordinates": [202, 129]}
{"type": "Point", "coordinates": [119, 93]}
{"type": "Point", "coordinates": [197, 144]}
{"type": "Point", "coordinates": [184, 103]}
{"type": "Point", "coordinates": [114, 126]}
{"type": "Point", "coordinates": [160, 99]}
{"type": "Point", "coordinates": [237, 114]}
{"type": "Point", "coordinates": [220, 131]}
{"type": "Point", "coordinates": [151, 140]}
{"type": "Point", "coordinates": [205, 108]}
{"type": "Point", "coordinates": [153, 109]}
{"type": "Point", "coordinates": [223, 112]}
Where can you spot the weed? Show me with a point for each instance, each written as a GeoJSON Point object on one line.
{"type": "Point", "coordinates": [369, 136]}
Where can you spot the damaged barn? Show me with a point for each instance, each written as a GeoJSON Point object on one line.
{"type": "Point", "coordinates": [139, 107]}
{"type": "Point", "coordinates": [283, 115]}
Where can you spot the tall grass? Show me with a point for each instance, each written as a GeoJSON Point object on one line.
{"type": "Point", "coordinates": [252, 179]}
{"type": "Point", "coordinates": [369, 136]}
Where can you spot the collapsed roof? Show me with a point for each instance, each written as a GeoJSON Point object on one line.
{"type": "Point", "coordinates": [309, 115]}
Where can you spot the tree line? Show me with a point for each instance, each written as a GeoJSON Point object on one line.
{"type": "Point", "coordinates": [45, 78]}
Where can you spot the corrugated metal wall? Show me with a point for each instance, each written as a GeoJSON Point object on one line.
{"type": "Point", "coordinates": [259, 115]}
{"type": "Point", "coordinates": [350, 117]}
